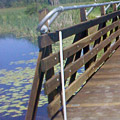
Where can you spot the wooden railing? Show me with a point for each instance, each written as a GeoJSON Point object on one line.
{"type": "Point", "coordinates": [102, 43]}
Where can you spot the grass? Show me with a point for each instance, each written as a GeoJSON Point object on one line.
{"type": "Point", "coordinates": [15, 21]}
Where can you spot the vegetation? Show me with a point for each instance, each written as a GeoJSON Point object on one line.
{"type": "Point", "coordinates": [23, 21]}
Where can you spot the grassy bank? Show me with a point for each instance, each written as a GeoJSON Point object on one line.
{"type": "Point", "coordinates": [15, 21]}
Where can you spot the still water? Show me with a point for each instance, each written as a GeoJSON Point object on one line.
{"type": "Point", "coordinates": [17, 65]}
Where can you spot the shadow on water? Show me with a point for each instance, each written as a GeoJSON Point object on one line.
{"type": "Point", "coordinates": [17, 65]}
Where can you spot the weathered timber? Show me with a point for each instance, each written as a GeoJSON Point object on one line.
{"type": "Point", "coordinates": [72, 68]}
{"type": "Point", "coordinates": [86, 49]}
{"type": "Point", "coordinates": [116, 28]}
{"type": "Point", "coordinates": [55, 105]}
{"type": "Point", "coordinates": [99, 98]}
{"type": "Point", "coordinates": [38, 79]}
{"type": "Point", "coordinates": [51, 38]}
{"type": "Point", "coordinates": [54, 58]}
{"type": "Point", "coordinates": [36, 88]}
{"type": "Point", "coordinates": [49, 75]}
{"type": "Point", "coordinates": [101, 25]}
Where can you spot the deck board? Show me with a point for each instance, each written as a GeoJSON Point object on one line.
{"type": "Point", "coordinates": [99, 99]}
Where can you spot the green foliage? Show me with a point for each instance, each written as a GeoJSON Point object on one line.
{"type": "Point", "coordinates": [31, 9]}
{"type": "Point", "coordinates": [15, 21]}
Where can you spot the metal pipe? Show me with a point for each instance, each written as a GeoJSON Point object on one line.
{"type": "Point", "coordinates": [61, 9]}
{"type": "Point", "coordinates": [50, 21]}
{"type": "Point", "coordinates": [62, 76]}
{"type": "Point", "coordinates": [89, 11]}
{"type": "Point", "coordinates": [118, 5]}
{"type": "Point", "coordinates": [106, 8]}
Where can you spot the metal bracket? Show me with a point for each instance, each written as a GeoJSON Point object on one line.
{"type": "Point", "coordinates": [89, 11]}
{"type": "Point", "coordinates": [106, 8]}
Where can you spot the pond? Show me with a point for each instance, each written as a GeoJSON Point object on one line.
{"type": "Point", "coordinates": [17, 67]}
{"type": "Point", "coordinates": [18, 59]}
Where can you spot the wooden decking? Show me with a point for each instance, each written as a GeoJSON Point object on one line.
{"type": "Point", "coordinates": [100, 97]}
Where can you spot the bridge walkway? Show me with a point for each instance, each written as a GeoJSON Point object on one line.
{"type": "Point", "coordinates": [100, 97]}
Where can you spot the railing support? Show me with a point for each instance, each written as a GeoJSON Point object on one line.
{"type": "Point", "coordinates": [62, 76]}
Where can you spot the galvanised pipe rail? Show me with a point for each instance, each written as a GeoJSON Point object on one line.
{"type": "Point", "coordinates": [55, 12]}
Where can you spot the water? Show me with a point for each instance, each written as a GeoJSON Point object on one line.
{"type": "Point", "coordinates": [17, 65]}
{"type": "Point", "coordinates": [18, 59]}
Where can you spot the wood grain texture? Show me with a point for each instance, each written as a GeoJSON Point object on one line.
{"type": "Point", "coordinates": [72, 68]}
{"type": "Point", "coordinates": [99, 98]}
{"type": "Point", "coordinates": [54, 106]}
{"type": "Point", "coordinates": [75, 47]}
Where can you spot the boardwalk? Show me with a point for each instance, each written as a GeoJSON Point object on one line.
{"type": "Point", "coordinates": [100, 97]}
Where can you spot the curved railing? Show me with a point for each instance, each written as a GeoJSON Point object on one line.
{"type": "Point", "coordinates": [52, 15]}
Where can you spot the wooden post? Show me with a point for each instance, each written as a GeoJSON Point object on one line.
{"type": "Point", "coordinates": [79, 36]}
{"type": "Point", "coordinates": [115, 19]}
{"type": "Point", "coordinates": [102, 25]}
{"type": "Point", "coordinates": [42, 14]}
{"type": "Point", "coordinates": [38, 79]}
{"type": "Point", "coordinates": [85, 33]}
{"type": "Point", "coordinates": [36, 88]}
{"type": "Point", "coordinates": [49, 74]}
{"type": "Point", "coordinates": [116, 28]}
{"type": "Point", "coordinates": [102, 10]}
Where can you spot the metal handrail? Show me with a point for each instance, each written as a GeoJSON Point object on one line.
{"type": "Point", "coordinates": [55, 12]}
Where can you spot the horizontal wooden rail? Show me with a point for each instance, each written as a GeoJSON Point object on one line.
{"type": "Point", "coordinates": [74, 66]}
{"type": "Point", "coordinates": [53, 59]}
{"type": "Point", "coordinates": [50, 38]}
{"type": "Point", "coordinates": [55, 105]}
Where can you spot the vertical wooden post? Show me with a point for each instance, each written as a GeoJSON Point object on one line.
{"type": "Point", "coordinates": [36, 88]}
{"type": "Point", "coordinates": [85, 33]}
{"type": "Point", "coordinates": [49, 74]}
{"type": "Point", "coordinates": [114, 7]}
{"type": "Point", "coordinates": [38, 80]}
{"type": "Point", "coordinates": [115, 19]}
{"type": "Point", "coordinates": [78, 37]}
{"type": "Point", "coordinates": [104, 24]}
{"type": "Point", "coordinates": [116, 28]}
{"type": "Point", "coordinates": [42, 14]}
{"type": "Point", "coordinates": [102, 10]}
{"type": "Point", "coordinates": [101, 25]}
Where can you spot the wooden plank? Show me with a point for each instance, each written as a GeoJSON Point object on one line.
{"type": "Point", "coordinates": [53, 59]}
{"type": "Point", "coordinates": [51, 38]}
{"type": "Point", "coordinates": [55, 105]}
{"type": "Point", "coordinates": [72, 68]}
{"type": "Point", "coordinates": [36, 89]}
{"type": "Point", "coordinates": [38, 79]}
